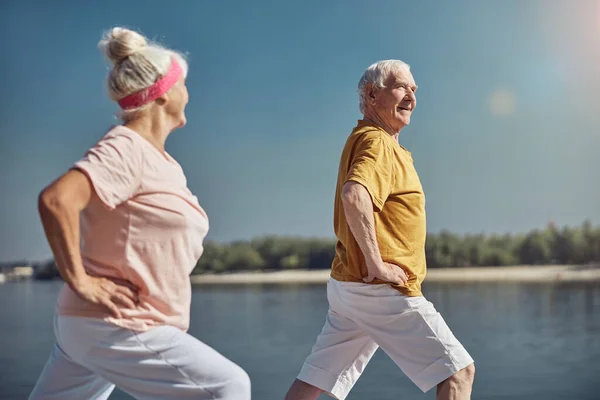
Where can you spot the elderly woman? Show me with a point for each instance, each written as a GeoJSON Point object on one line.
{"type": "Point", "coordinates": [122, 315]}
{"type": "Point", "coordinates": [374, 292]}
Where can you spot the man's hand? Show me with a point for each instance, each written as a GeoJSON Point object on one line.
{"type": "Point", "coordinates": [387, 272]}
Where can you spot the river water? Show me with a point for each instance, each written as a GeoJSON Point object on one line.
{"type": "Point", "coordinates": [529, 341]}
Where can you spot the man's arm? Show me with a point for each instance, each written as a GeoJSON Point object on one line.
{"type": "Point", "coordinates": [358, 209]}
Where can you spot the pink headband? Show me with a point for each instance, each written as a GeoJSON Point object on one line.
{"type": "Point", "coordinates": [153, 92]}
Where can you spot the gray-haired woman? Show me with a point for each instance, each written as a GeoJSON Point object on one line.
{"type": "Point", "coordinates": [124, 310]}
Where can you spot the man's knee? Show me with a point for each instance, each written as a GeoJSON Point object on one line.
{"type": "Point", "coordinates": [237, 386]}
{"type": "Point", "coordinates": [469, 372]}
{"type": "Point", "coordinates": [464, 377]}
{"type": "Point", "coordinates": [302, 390]}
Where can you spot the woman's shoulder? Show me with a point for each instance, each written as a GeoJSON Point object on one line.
{"type": "Point", "coordinates": [121, 141]}
{"type": "Point", "coordinates": [122, 133]}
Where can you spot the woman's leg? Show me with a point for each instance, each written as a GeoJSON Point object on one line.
{"type": "Point", "coordinates": [63, 379]}
{"type": "Point", "coordinates": [162, 363]}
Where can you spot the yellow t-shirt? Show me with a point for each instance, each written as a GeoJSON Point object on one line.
{"type": "Point", "coordinates": [374, 159]}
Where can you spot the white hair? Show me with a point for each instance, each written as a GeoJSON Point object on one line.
{"type": "Point", "coordinates": [377, 74]}
{"type": "Point", "coordinates": [137, 64]}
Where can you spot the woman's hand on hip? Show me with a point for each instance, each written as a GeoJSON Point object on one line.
{"type": "Point", "coordinates": [112, 295]}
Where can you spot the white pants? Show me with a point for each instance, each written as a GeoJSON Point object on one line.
{"type": "Point", "coordinates": [92, 356]}
{"type": "Point", "coordinates": [363, 317]}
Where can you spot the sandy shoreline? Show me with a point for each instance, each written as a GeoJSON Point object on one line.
{"type": "Point", "coordinates": [555, 273]}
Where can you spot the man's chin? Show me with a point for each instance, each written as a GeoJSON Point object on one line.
{"type": "Point", "coordinates": [402, 123]}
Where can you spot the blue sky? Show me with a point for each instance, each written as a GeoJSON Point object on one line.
{"type": "Point", "coordinates": [505, 136]}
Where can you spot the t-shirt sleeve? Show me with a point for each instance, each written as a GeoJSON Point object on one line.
{"type": "Point", "coordinates": [372, 167]}
{"type": "Point", "coordinates": [114, 167]}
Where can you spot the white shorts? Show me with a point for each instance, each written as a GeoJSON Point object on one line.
{"type": "Point", "coordinates": [91, 356]}
{"type": "Point", "coordinates": [363, 317]}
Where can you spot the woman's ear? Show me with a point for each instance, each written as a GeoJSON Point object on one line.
{"type": "Point", "coordinates": [162, 100]}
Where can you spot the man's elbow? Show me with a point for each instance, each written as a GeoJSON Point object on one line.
{"type": "Point", "coordinates": [351, 194]}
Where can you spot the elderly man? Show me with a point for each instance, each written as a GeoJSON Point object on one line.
{"type": "Point", "coordinates": [374, 291]}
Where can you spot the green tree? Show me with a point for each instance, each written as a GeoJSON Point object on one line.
{"type": "Point", "coordinates": [535, 249]}
{"type": "Point", "coordinates": [212, 259]}
{"type": "Point", "coordinates": [242, 256]}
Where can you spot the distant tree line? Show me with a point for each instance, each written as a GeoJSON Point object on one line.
{"type": "Point", "coordinates": [552, 245]}
{"type": "Point", "coordinates": [578, 245]}
{"type": "Point", "coordinates": [266, 253]}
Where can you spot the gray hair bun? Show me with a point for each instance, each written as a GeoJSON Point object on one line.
{"type": "Point", "coordinates": [119, 43]}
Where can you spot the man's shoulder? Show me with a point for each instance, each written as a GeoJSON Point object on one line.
{"type": "Point", "coordinates": [362, 134]}
{"type": "Point", "coordinates": [369, 138]}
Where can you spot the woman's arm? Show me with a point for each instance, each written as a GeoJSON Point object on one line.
{"type": "Point", "coordinates": [59, 206]}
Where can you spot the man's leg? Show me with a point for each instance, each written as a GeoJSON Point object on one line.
{"type": "Point", "coordinates": [458, 386]}
{"type": "Point", "coordinates": [302, 391]}
{"type": "Point", "coordinates": [338, 358]}
{"type": "Point", "coordinates": [414, 335]}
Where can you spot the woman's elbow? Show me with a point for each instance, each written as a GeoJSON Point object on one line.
{"type": "Point", "coordinates": [70, 193]}
{"type": "Point", "coordinates": [50, 200]}
{"type": "Point", "coordinates": [44, 200]}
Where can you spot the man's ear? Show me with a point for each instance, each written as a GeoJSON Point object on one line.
{"type": "Point", "coordinates": [371, 93]}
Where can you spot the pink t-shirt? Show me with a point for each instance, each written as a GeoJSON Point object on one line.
{"type": "Point", "coordinates": [147, 228]}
